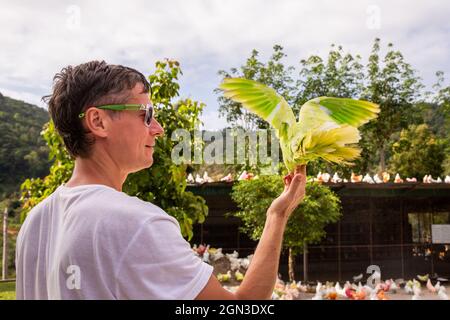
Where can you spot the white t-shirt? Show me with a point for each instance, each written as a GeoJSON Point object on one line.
{"type": "Point", "coordinates": [93, 242]}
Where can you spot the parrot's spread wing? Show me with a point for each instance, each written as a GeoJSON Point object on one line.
{"type": "Point", "coordinates": [261, 100]}
{"type": "Point", "coordinates": [341, 110]}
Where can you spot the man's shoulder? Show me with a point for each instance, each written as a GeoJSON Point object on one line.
{"type": "Point", "coordinates": [98, 201]}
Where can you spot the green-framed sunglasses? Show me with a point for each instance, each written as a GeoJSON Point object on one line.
{"type": "Point", "coordinates": [134, 107]}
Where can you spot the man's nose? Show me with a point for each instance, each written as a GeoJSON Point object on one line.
{"type": "Point", "coordinates": [156, 129]}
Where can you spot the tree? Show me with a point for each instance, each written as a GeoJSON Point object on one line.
{"type": "Point", "coordinates": [164, 179]}
{"type": "Point", "coordinates": [306, 225]}
{"type": "Point", "coordinates": [23, 152]}
{"type": "Point", "coordinates": [440, 116]}
{"type": "Point", "coordinates": [395, 87]}
{"type": "Point", "coordinates": [417, 153]}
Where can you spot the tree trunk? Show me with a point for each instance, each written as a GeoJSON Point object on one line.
{"type": "Point", "coordinates": [305, 263]}
{"type": "Point", "coordinates": [382, 158]}
{"type": "Point", "coordinates": [291, 265]}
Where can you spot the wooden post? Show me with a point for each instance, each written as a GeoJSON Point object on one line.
{"type": "Point", "coordinates": [5, 245]}
{"type": "Point", "coordinates": [305, 262]}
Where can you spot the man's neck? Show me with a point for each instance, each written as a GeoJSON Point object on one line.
{"type": "Point", "coordinates": [96, 171]}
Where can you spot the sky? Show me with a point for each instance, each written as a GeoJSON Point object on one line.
{"type": "Point", "coordinates": [39, 38]}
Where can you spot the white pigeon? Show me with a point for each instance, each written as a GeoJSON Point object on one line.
{"type": "Point", "coordinates": [430, 287]}
{"type": "Point", "coordinates": [325, 177]}
{"type": "Point", "coordinates": [243, 175]}
{"type": "Point", "coordinates": [368, 179]}
{"type": "Point", "coordinates": [340, 291]}
{"type": "Point", "coordinates": [301, 288]}
{"type": "Point", "coordinates": [417, 294]}
{"type": "Point", "coordinates": [337, 179]}
{"type": "Point", "coordinates": [227, 178]}
{"type": "Point", "coordinates": [318, 177]}
{"type": "Point", "coordinates": [437, 286]}
{"type": "Point", "coordinates": [397, 179]}
{"type": "Point", "coordinates": [393, 287]}
{"type": "Point", "coordinates": [439, 180]}
{"type": "Point", "coordinates": [246, 261]}
{"type": "Point", "coordinates": [377, 179]}
{"type": "Point", "coordinates": [198, 179]}
{"type": "Point", "coordinates": [235, 254]}
{"type": "Point", "coordinates": [205, 257]}
{"type": "Point", "coordinates": [190, 178]}
{"type": "Point", "coordinates": [234, 264]}
{"type": "Point", "coordinates": [216, 255]}
{"type": "Point", "coordinates": [319, 292]}
{"type": "Point", "coordinates": [373, 295]}
{"type": "Point", "coordinates": [206, 178]}
{"type": "Point", "coordinates": [447, 179]}
{"type": "Point", "coordinates": [409, 287]}
{"type": "Point", "coordinates": [442, 294]}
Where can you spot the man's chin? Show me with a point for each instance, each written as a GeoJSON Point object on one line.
{"type": "Point", "coordinates": [146, 165]}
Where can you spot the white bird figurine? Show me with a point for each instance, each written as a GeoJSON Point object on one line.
{"type": "Point", "coordinates": [411, 180]}
{"type": "Point", "coordinates": [368, 179]}
{"type": "Point", "coordinates": [447, 179]}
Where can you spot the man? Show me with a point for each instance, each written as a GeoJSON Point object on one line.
{"type": "Point", "coordinates": [89, 240]}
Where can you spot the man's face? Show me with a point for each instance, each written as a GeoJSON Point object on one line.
{"type": "Point", "coordinates": [130, 141]}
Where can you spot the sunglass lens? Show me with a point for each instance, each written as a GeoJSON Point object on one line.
{"type": "Point", "coordinates": [148, 115]}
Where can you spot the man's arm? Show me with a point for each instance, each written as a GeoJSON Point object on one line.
{"type": "Point", "coordinates": [261, 275]}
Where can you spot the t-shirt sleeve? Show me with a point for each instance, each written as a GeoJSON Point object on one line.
{"type": "Point", "coordinates": [160, 264]}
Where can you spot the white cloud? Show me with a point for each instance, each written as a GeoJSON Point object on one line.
{"type": "Point", "coordinates": [39, 38]}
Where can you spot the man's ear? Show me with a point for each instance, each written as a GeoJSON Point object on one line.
{"type": "Point", "coordinates": [97, 122]}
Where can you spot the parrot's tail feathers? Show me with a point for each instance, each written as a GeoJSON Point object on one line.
{"type": "Point", "coordinates": [335, 145]}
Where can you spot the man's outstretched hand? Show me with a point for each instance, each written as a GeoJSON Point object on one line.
{"type": "Point", "coordinates": [293, 194]}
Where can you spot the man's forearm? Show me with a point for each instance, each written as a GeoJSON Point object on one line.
{"type": "Point", "coordinates": [262, 273]}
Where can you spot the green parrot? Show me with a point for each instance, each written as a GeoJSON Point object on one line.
{"type": "Point", "coordinates": [327, 127]}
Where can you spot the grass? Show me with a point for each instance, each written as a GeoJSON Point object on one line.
{"type": "Point", "coordinates": [7, 291]}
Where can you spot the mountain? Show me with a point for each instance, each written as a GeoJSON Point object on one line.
{"type": "Point", "coordinates": [23, 151]}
